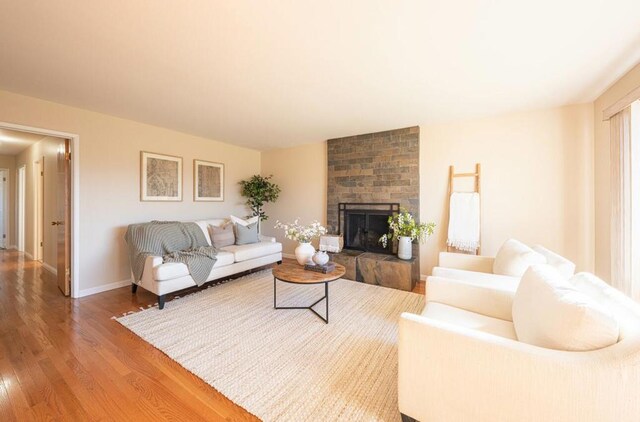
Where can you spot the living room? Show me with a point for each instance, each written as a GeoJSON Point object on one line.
{"type": "Point", "coordinates": [349, 110]}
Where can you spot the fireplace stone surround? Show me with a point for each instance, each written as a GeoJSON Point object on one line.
{"type": "Point", "coordinates": [375, 169]}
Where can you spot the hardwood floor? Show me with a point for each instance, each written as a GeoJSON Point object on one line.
{"type": "Point", "coordinates": [66, 359]}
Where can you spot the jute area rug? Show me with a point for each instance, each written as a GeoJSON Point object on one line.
{"type": "Point", "coordinates": [288, 365]}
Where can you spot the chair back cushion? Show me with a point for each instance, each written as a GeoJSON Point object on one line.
{"type": "Point", "coordinates": [549, 312]}
{"type": "Point", "coordinates": [514, 258]}
{"type": "Point", "coordinates": [559, 262]}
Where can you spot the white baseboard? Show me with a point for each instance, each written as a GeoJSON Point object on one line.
{"type": "Point", "coordinates": [49, 268]}
{"type": "Point", "coordinates": [105, 287]}
{"type": "Point", "coordinates": [12, 247]}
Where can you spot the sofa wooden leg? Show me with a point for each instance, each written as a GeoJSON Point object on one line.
{"type": "Point", "coordinates": [406, 418]}
{"type": "Point", "coordinates": [134, 287]}
{"type": "Point", "coordinates": [279, 262]}
{"type": "Point", "coordinates": [161, 301]}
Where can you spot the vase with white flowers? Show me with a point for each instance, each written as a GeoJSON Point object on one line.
{"type": "Point", "coordinates": [303, 235]}
{"type": "Point", "coordinates": [404, 228]}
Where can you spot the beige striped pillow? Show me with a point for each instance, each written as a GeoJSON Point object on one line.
{"type": "Point", "coordinates": [222, 236]}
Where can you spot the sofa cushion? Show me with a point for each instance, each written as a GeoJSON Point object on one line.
{"type": "Point", "coordinates": [171, 270]}
{"type": "Point", "coordinates": [477, 278]}
{"type": "Point", "coordinates": [222, 236]}
{"type": "Point", "coordinates": [244, 221]}
{"type": "Point", "coordinates": [549, 312]}
{"type": "Point", "coordinates": [204, 225]}
{"type": "Point", "coordinates": [559, 262]}
{"type": "Point", "coordinates": [246, 234]}
{"type": "Point", "coordinates": [472, 320]}
{"type": "Point", "coordinates": [514, 258]}
{"type": "Point", "coordinates": [253, 250]}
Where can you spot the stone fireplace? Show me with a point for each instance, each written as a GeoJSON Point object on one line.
{"type": "Point", "coordinates": [370, 177]}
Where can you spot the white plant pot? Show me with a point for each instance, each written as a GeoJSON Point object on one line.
{"type": "Point", "coordinates": [304, 253]}
{"type": "Point", "coordinates": [404, 247]}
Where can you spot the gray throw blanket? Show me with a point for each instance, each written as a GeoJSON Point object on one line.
{"type": "Point", "coordinates": [174, 242]}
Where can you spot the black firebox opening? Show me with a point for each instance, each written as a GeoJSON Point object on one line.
{"type": "Point", "coordinates": [363, 224]}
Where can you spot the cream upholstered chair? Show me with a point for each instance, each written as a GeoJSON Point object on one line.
{"type": "Point", "coordinates": [504, 270]}
{"type": "Point", "coordinates": [461, 361]}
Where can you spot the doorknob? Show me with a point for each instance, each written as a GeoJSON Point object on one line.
{"type": "Point", "coordinates": [57, 223]}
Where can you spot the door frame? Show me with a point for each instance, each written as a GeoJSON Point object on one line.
{"type": "Point", "coordinates": [38, 215]}
{"type": "Point", "coordinates": [5, 208]}
{"type": "Point", "coordinates": [74, 146]}
{"type": "Point", "coordinates": [21, 208]}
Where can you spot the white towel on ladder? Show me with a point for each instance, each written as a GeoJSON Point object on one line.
{"type": "Point", "coordinates": [464, 221]}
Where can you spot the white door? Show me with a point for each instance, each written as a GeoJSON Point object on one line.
{"type": "Point", "coordinates": [21, 206]}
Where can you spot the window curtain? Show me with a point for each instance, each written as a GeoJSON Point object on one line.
{"type": "Point", "coordinates": [625, 205]}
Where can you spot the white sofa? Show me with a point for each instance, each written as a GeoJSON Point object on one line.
{"type": "Point", "coordinates": [460, 360]}
{"type": "Point", "coordinates": [163, 278]}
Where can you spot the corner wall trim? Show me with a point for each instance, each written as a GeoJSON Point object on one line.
{"type": "Point", "coordinates": [288, 255]}
{"type": "Point", "coordinates": [621, 104]}
{"type": "Point", "coordinates": [104, 288]}
{"type": "Point", "coordinates": [49, 268]}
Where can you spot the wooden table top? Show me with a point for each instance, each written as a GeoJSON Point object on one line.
{"type": "Point", "coordinates": [295, 273]}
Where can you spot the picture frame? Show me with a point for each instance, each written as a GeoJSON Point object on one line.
{"type": "Point", "coordinates": [208, 181]}
{"type": "Point", "coordinates": [160, 177]}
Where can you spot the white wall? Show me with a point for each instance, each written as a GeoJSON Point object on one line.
{"type": "Point", "coordinates": [109, 178]}
{"type": "Point", "coordinates": [537, 180]}
{"type": "Point", "coordinates": [301, 173]}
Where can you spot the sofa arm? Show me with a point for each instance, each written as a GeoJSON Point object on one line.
{"type": "Point", "coordinates": [490, 301]}
{"type": "Point", "coordinates": [448, 372]}
{"type": "Point", "coordinates": [149, 264]}
{"type": "Point", "coordinates": [264, 238]}
{"type": "Point", "coordinates": [483, 264]}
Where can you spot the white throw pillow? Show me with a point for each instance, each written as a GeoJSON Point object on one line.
{"type": "Point", "coordinates": [242, 221]}
{"type": "Point", "coordinates": [514, 258]}
{"type": "Point", "coordinates": [549, 312]}
{"type": "Point", "coordinates": [559, 262]}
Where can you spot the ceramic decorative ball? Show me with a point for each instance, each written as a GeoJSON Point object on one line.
{"type": "Point", "coordinates": [320, 258]}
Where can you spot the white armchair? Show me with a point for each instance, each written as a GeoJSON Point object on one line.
{"type": "Point", "coordinates": [513, 259]}
{"type": "Point", "coordinates": [472, 269]}
{"type": "Point", "coordinates": [461, 361]}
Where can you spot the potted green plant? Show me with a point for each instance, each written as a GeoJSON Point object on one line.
{"type": "Point", "coordinates": [404, 228]}
{"type": "Point", "coordinates": [259, 190]}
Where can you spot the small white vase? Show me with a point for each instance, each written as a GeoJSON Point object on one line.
{"type": "Point", "coordinates": [404, 247]}
{"type": "Point", "coordinates": [304, 252]}
{"type": "Point", "coordinates": [320, 258]}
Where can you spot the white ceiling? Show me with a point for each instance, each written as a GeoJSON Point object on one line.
{"type": "Point", "coordinates": [268, 74]}
{"type": "Point", "coordinates": [13, 142]}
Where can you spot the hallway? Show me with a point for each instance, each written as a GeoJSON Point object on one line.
{"type": "Point", "coordinates": [66, 359]}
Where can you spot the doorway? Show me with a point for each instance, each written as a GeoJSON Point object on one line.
{"type": "Point", "coordinates": [22, 189]}
{"type": "Point", "coordinates": [51, 183]}
{"type": "Point", "coordinates": [4, 215]}
{"type": "Point", "coordinates": [38, 199]}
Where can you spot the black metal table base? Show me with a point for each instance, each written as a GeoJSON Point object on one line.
{"type": "Point", "coordinates": [310, 307]}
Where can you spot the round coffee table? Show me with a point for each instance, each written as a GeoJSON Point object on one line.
{"type": "Point", "coordinates": [296, 274]}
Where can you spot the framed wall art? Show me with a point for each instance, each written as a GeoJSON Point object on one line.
{"type": "Point", "coordinates": [160, 177]}
{"type": "Point", "coordinates": [208, 181]}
